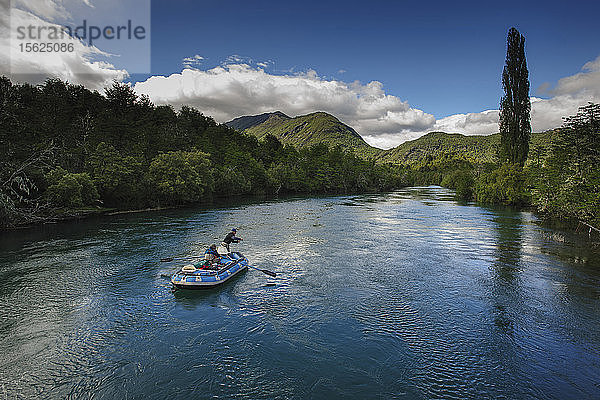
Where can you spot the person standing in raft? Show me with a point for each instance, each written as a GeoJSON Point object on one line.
{"type": "Point", "coordinates": [231, 238]}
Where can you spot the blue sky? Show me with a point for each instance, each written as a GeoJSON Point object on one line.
{"type": "Point", "coordinates": [393, 70]}
{"type": "Point", "coordinates": [442, 57]}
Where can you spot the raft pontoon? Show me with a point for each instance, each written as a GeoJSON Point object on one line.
{"type": "Point", "coordinates": [197, 276]}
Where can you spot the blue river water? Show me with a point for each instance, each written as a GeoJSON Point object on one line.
{"type": "Point", "coordinates": [407, 295]}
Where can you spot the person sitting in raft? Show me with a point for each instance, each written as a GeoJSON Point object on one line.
{"type": "Point", "coordinates": [231, 238]}
{"type": "Point", "coordinates": [210, 256]}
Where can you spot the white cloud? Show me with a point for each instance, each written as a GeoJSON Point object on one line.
{"type": "Point", "coordinates": [190, 62]}
{"type": "Point", "coordinates": [237, 59]}
{"type": "Point", "coordinates": [241, 87]}
{"type": "Point", "coordinates": [49, 10]}
{"type": "Point", "coordinates": [232, 90]}
{"type": "Point", "coordinates": [482, 123]}
{"type": "Point", "coordinates": [570, 93]}
{"type": "Point", "coordinates": [389, 140]}
{"type": "Point", "coordinates": [585, 83]}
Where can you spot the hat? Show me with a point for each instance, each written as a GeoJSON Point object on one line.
{"type": "Point", "coordinates": [233, 230]}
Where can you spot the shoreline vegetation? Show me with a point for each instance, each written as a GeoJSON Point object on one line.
{"type": "Point", "coordinates": [71, 152]}
{"type": "Point", "coordinates": [69, 148]}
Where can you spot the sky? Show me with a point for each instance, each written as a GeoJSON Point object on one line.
{"type": "Point", "coordinates": [393, 70]}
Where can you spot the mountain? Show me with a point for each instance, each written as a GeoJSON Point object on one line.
{"type": "Point", "coordinates": [320, 127]}
{"type": "Point", "coordinates": [434, 144]}
{"type": "Point", "coordinates": [476, 149]}
{"type": "Point", "coordinates": [243, 123]}
{"type": "Point", "coordinates": [305, 130]}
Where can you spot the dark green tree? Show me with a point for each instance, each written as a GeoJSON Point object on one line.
{"type": "Point", "coordinates": [568, 185]}
{"type": "Point", "coordinates": [181, 176]}
{"type": "Point", "coordinates": [65, 147]}
{"type": "Point", "coordinates": [515, 125]}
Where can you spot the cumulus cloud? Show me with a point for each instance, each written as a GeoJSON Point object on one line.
{"type": "Point", "coordinates": [239, 86]}
{"type": "Point", "coordinates": [584, 83]}
{"type": "Point", "coordinates": [231, 90]}
{"type": "Point", "coordinates": [191, 62]}
{"type": "Point", "coordinates": [569, 94]}
{"type": "Point", "coordinates": [49, 10]}
{"type": "Point", "coordinates": [482, 123]}
{"type": "Point", "coordinates": [77, 66]}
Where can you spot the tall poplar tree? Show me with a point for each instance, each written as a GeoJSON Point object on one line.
{"type": "Point", "coordinates": [515, 125]}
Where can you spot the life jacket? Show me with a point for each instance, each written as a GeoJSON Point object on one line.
{"type": "Point", "coordinates": [230, 238]}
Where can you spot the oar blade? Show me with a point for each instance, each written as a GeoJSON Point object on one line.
{"type": "Point", "coordinates": [273, 274]}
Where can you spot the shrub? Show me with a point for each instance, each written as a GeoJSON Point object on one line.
{"type": "Point", "coordinates": [461, 181]}
{"type": "Point", "coordinates": [181, 176]}
{"type": "Point", "coordinates": [504, 185]}
{"type": "Point", "coordinates": [66, 189]}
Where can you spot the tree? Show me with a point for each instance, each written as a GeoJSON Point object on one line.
{"type": "Point", "coordinates": [65, 147]}
{"type": "Point", "coordinates": [181, 176]}
{"type": "Point", "coordinates": [504, 185]}
{"type": "Point", "coordinates": [117, 177]}
{"type": "Point", "coordinates": [67, 189]}
{"type": "Point", "coordinates": [569, 182]}
{"type": "Point", "coordinates": [515, 125]}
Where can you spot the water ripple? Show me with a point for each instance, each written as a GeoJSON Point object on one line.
{"type": "Point", "coordinates": [402, 295]}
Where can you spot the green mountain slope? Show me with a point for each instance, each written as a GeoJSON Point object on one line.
{"type": "Point", "coordinates": [435, 144]}
{"type": "Point", "coordinates": [476, 149]}
{"type": "Point", "coordinates": [307, 130]}
{"type": "Point", "coordinates": [320, 127]}
{"type": "Point", "coordinates": [245, 122]}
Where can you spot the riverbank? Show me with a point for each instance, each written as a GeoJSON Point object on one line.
{"type": "Point", "coordinates": [60, 216]}
{"type": "Point", "coordinates": [55, 216]}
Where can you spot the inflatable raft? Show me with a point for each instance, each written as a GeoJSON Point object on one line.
{"type": "Point", "coordinates": [197, 276]}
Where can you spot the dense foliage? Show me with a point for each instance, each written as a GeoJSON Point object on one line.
{"type": "Point", "coordinates": [561, 176]}
{"type": "Point", "coordinates": [65, 147]}
{"type": "Point", "coordinates": [477, 149]}
{"type": "Point", "coordinates": [503, 185]}
{"type": "Point", "coordinates": [306, 130]}
{"type": "Point", "coordinates": [568, 182]}
{"type": "Point", "coordinates": [515, 125]}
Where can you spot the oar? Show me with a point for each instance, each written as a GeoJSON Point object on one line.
{"type": "Point", "coordinates": [264, 271]}
{"type": "Point", "coordinates": [169, 259]}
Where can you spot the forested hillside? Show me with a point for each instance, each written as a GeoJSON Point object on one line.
{"type": "Point", "coordinates": [66, 148]}
{"type": "Point", "coordinates": [474, 149]}
{"type": "Point", "coordinates": [245, 122]}
{"type": "Point", "coordinates": [324, 128]}
{"type": "Point", "coordinates": [306, 130]}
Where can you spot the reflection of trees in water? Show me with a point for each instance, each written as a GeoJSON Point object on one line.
{"type": "Point", "coordinates": [506, 268]}
{"type": "Point", "coordinates": [576, 262]}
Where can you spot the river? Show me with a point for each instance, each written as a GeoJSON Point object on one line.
{"type": "Point", "coordinates": [403, 295]}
